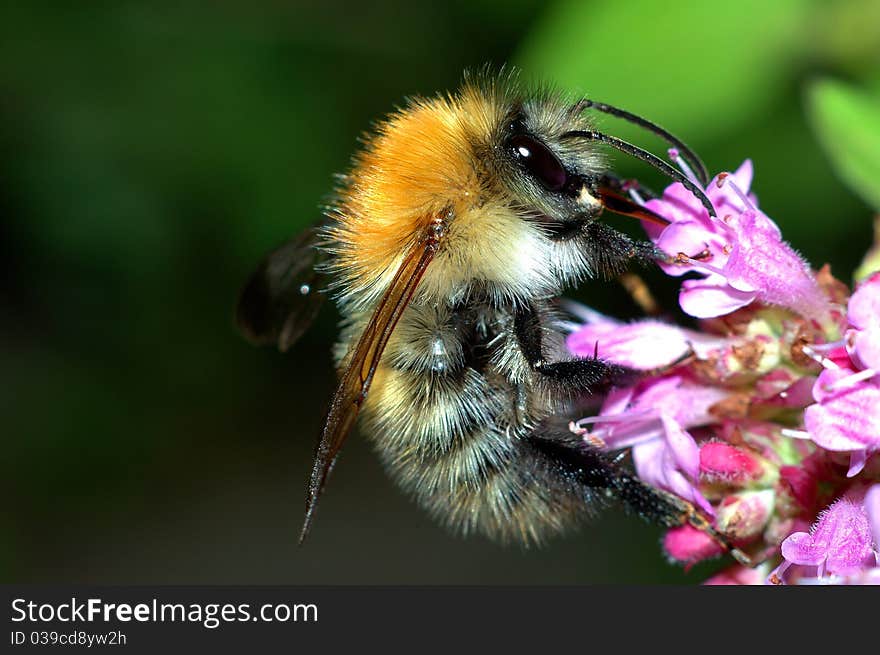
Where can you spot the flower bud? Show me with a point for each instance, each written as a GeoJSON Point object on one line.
{"type": "Point", "coordinates": [721, 462]}
{"type": "Point", "coordinates": [743, 515]}
{"type": "Point", "coordinates": [688, 545]}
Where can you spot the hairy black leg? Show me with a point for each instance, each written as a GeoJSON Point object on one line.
{"type": "Point", "coordinates": [573, 376]}
{"type": "Point", "coordinates": [571, 458]}
{"type": "Point", "coordinates": [610, 252]}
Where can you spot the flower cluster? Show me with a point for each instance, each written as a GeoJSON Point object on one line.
{"type": "Point", "coordinates": [766, 416]}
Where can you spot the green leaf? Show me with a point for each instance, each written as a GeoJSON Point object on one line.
{"type": "Point", "coordinates": [847, 122]}
{"type": "Point", "coordinates": [696, 67]}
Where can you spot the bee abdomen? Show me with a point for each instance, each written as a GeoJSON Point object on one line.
{"type": "Point", "coordinates": [460, 445]}
{"type": "Point", "coordinates": [498, 486]}
{"type": "Point", "coordinates": [451, 414]}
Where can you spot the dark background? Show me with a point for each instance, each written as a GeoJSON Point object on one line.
{"type": "Point", "coordinates": [152, 152]}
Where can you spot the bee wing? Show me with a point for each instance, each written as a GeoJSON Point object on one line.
{"type": "Point", "coordinates": [362, 363]}
{"type": "Point", "coordinates": [284, 295]}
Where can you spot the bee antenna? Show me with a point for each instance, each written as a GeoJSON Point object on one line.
{"type": "Point", "coordinates": [689, 155]}
{"type": "Point", "coordinates": [645, 156]}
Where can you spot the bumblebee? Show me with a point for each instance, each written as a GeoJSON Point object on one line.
{"type": "Point", "coordinates": [460, 222]}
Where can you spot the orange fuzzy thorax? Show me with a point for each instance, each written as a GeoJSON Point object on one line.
{"type": "Point", "coordinates": [420, 164]}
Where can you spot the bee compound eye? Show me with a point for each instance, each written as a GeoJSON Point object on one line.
{"type": "Point", "coordinates": [539, 160]}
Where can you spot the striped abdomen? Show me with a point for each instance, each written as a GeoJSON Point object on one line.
{"type": "Point", "coordinates": [451, 411]}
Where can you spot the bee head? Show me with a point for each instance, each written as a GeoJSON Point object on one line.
{"type": "Point", "coordinates": [551, 179]}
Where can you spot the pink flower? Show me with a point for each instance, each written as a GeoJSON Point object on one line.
{"type": "Point", "coordinates": [840, 543]}
{"type": "Point", "coordinates": [653, 418]}
{"type": "Point", "coordinates": [774, 432]}
{"type": "Point", "coordinates": [740, 253]}
{"type": "Point", "coordinates": [691, 229]}
{"type": "Point", "coordinates": [846, 415]}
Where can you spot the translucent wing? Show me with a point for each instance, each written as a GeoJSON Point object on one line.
{"type": "Point", "coordinates": [284, 295]}
{"type": "Point", "coordinates": [361, 365]}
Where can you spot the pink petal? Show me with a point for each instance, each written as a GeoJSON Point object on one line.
{"type": "Point", "coordinates": [655, 464]}
{"type": "Point", "coordinates": [799, 394]}
{"type": "Point", "coordinates": [741, 250]}
{"type": "Point", "coordinates": [632, 433]}
{"type": "Point", "coordinates": [824, 389]}
{"type": "Point", "coordinates": [725, 199]}
{"type": "Point", "coordinates": [872, 507]}
{"type": "Point", "coordinates": [617, 401]}
{"type": "Point", "coordinates": [762, 261]}
{"type": "Point", "coordinates": [827, 429]}
{"type": "Point", "coordinates": [687, 402]}
{"type": "Point", "coordinates": [864, 347]}
{"type": "Point", "coordinates": [655, 392]}
{"type": "Point", "coordinates": [643, 346]}
{"type": "Point", "coordinates": [841, 538]}
{"type": "Point", "coordinates": [648, 462]}
{"type": "Point", "coordinates": [743, 175]}
{"type": "Point", "coordinates": [844, 420]}
{"type": "Point", "coordinates": [798, 548]}
{"type": "Point", "coordinates": [582, 342]}
{"type": "Point", "coordinates": [677, 204]}
{"type": "Point", "coordinates": [682, 446]}
{"type": "Point", "coordinates": [695, 403]}
{"type": "Point", "coordinates": [844, 531]}
{"type": "Point", "coordinates": [857, 461]}
{"type": "Point", "coordinates": [863, 310]}
{"type": "Point", "coordinates": [680, 486]}
{"type": "Point", "coordinates": [865, 577]}
{"type": "Point", "coordinates": [712, 297]}
{"type": "Point", "coordinates": [692, 238]}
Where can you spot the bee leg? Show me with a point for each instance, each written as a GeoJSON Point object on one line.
{"type": "Point", "coordinates": [569, 456]}
{"type": "Point", "coordinates": [567, 377]}
{"type": "Point", "coordinates": [610, 252]}
{"type": "Point", "coordinates": [572, 459]}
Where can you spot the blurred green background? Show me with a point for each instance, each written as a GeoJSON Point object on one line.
{"type": "Point", "coordinates": [152, 152]}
